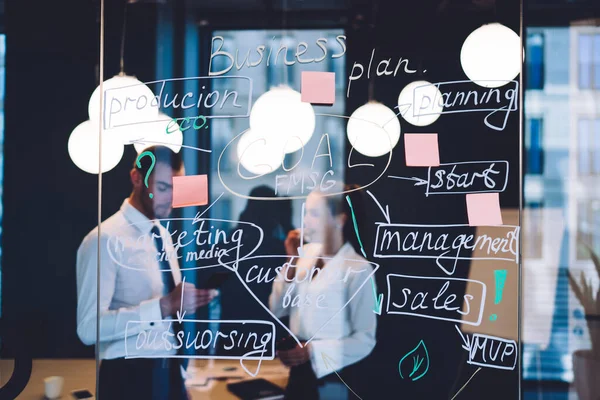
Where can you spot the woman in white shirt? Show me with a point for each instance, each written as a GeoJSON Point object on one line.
{"type": "Point", "coordinates": [327, 293]}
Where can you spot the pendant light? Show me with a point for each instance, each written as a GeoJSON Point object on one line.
{"type": "Point", "coordinates": [84, 150]}
{"type": "Point", "coordinates": [420, 103]}
{"type": "Point", "coordinates": [123, 121]}
{"type": "Point", "coordinates": [373, 129]}
{"type": "Point", "coordinates": [491, 55]}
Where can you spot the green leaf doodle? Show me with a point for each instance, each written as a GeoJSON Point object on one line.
{"type": "Point", "coordinates": [420, 360]}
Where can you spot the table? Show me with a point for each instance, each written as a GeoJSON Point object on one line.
{"type": "Point", "coordinates": [81, 374]}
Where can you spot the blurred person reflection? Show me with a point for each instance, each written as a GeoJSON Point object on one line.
{"type": "Point", "coordinates": [274, 219]}
{"type": "Point", "coordinates": [150, 292]}
{"type": "Point", "coordinates": [312, 290]}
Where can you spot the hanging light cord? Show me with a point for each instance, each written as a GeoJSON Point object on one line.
{"type": "Point", "coordinates": [122, 61]}
{"type": "Point", "coordinates": [285, 34]}
{"type": "Point", "coordinates": [371, 85]}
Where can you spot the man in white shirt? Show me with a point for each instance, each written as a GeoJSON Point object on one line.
{"type": "Point", "coordinates": [140, 288]}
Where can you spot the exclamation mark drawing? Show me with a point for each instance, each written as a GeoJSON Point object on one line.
{"type": "Point", "coordinates": [500, 278]}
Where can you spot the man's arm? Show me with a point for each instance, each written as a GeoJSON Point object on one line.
{"type": "Point", "coordinates": [113, 323]}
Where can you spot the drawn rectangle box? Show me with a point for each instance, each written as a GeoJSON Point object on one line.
{"type": "Point", "coordinates": [243, 108]}
{"type": "Point", "coordinates": [501, 165]}
{"type": "Point", "coordinates": [453, 230]}
{"type": "Point", "coordinates": [506, 105]}
{"type": "Point", "coordinates": [130, 340]}
{"type": "Point", "coordinates": [479, 343]}
{"type": "Point", "coordinates": [478, 311]}
{"type": "Point", "coordinates": [431, 105]}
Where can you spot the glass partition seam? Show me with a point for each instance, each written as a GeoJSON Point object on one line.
{"type": "Point", "coordinates": [100, 126]}
{"type": "Point", "coordinates": [520, 217]}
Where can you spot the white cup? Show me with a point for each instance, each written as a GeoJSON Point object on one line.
{"type": "Point", "coordinates": [53, 386]}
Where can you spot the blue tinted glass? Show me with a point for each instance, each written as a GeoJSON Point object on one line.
{"type": "Point", "coordinates": [596, 61]}
{"type": "Point", "coordinates": [585, 79]}
{"type": "Point", "coordinates": [584, 144]}
{"type": "Point", "coordinates": [596, 146]}
{"type": "Point", "coordinates": [535, 161]}
{"type": "Point", "coordinates": [535, 61]}
{"type": "Point", "coordinates": [584, 61]}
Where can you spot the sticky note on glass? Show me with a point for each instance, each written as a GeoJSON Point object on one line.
{"type": "Point", "coordinates": [421, 150]}
{"type": "Point", "coordinates": [317, 87]}
{"type": "Point", "coordinates": [190, 191]}
{"type": "Point", "coordinates": [484, 209]}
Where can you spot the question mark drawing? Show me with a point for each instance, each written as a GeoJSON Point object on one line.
{"type": "Point", "coordinates": [137, 162]}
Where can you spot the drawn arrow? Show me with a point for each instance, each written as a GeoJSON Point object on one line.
{"type": "Point", "coordinates": [327, 360]}
{"type": "Point", "coordinates": [180, 315]}
{"type": "Point", "coordinates": [466, 340]}
{"type": "Point", "coordinates": [386, 212]}
{"type": "Point", "coordinates": [301, 248]}
{"type": "Point", "coordinates": [420, 182]}
{"type": "Point", "coordinates": [406, 106]}
{"type": "Point", "coordinates": [198, 216]}
{"type": "Point", "coordinates": [362, 249]}
{"type": "Point", "coordinates": [144, 141]}
{"type": "Point", "coordinates": [378, 300]}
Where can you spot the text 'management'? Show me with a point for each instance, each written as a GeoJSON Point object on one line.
{"type": "Point", "coordinates": [446, 242]}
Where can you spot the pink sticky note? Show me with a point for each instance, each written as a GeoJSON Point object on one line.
{"type": "Point", "coordinates": [484, 209]}
{"type": "Point", "coordinates": [318, 87]}
{"type": "Point", "coordinates": [421, 149]}
{"type": "Point", "coordinates": [190, 191]}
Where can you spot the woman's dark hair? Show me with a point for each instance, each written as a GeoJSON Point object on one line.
{"type": "Point", "coordinates": [258, 211]}
{"type": "Point", "coordinates": [339, 204]}
{"type": "Point", "coordinates": [161, 154]}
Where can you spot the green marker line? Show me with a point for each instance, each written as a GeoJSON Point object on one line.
{"type": "Point", "coordinates": [356, 226]}
{"type": "Point", "coordinates": [378, 298]}
{"type": "Point", "coordinates": [500, 278]}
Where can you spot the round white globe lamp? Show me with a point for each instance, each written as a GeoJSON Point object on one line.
{"type": "Point", "coordinates": [127, 102]}
{"type": "Point", "coordinates": [279, 114]}
{"type": "Point", "coordinates": [491, 55]}
{"type": "Point", "coordinates": [83, 148]}
{"type": "Point", "coordinates": [373, 129]}
{"type": "Point", "coordinates": [420, 103]}
{"type": "Point", "coordinates": [259, 154]}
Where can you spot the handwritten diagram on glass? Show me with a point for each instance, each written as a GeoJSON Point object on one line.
{"type": "Point", "coordinates": [319, 212]}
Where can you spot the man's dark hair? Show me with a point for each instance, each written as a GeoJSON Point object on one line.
{"type": "Point", "coordinates": [161, 154]}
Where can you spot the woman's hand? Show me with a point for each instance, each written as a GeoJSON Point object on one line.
{"type": "Point", "coordinates": [296, 356]}
{"type": "Point", "coordinates": [292, 242]}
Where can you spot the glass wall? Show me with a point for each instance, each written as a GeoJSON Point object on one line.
{"type": "Point", "coordinates": [561, 203]}
{"type": "Point", "coordinates": [113, 282]}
